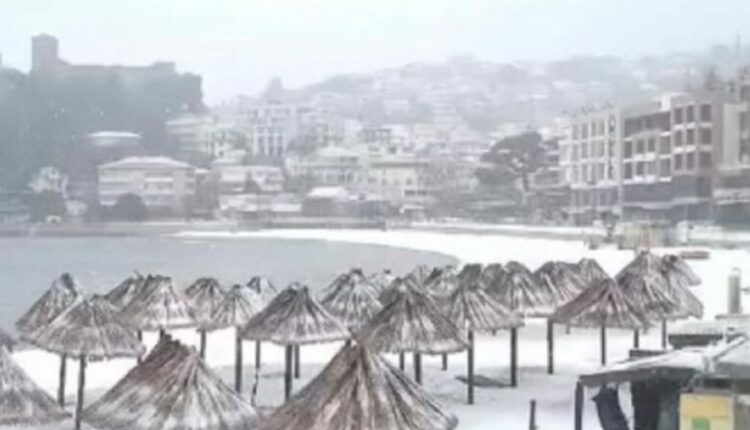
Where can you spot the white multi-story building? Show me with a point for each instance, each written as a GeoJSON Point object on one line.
{"type": "Point", "coordinates": [233, 178]}
{"type": "Point", "coordinates": [162, 183]}
{"type": "Point", "coordinates": [206, 136]}
{"type": "Point", "coordinates": [270, 128]}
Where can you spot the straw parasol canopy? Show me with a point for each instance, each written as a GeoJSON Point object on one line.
{"type": "Point", "coordinates": [60, 295]}
{"type": "Point", "coordinates": [420, 273]}
{"type": "Point", "coordinates": [441, 282]}
{"type": "Point", "coordinates": [234, 311]}
{"type": "Point", "coordinates": [382, 279]}
{"type": "Point", "coordinates": [471, 308]}
{"type": "Point", "coordinates": [159, 307]}
{"type": "Point", "coordinates": [204, 296]}
{"type": "Point", "coordinates": [591, 271]}
{"type": "Point", "coordinates": [603, 304]}
{"type": "Point", "coordinates": [6, 340]}
{"type": "Point", "coordinates": [520, 292]}
{"type": "Point", "coordinates": [261, 291]}
{"type": "Point", "coordinates": [680, 276]}
{"type": "Point", "coordinates": [173, 389]}
{"type": "Point", "coordinates": [88, 328]}
{"type": "Point", "coordinates": [294, 317]}
{"type": "Point", "coordinates": [127, 290]}
{"type": "Point", "coordinates": [22, 402]}
{"type": "Point", "coordinates": [561, 278]}
{"type": "Point", "coordinates": [360, 390]}
{"type": "Point", "coordinates": [412, 322]}
{"type": "Point", "coordinates": [492, 272]}
{"type": "Point", "coordinates": [352, 298]}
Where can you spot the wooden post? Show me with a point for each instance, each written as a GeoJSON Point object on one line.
{"type": "Point", "coordinates": [237, 362]}
{"type": "Point", "coordinates": [61, 386]}
{"type": "Point", "coordinates": [514, 357]}
{"type": "Point", "coordinates": [603, 345]}
{"type": "Point", "coordinates": [470, 368]}
{"type": "Point", "coordinates": [348, 343]}
{"type": "Point", "coordinates": [550, 347]}
{"type": "Point", "coordinates": [139, 333]}
{"type": "Point", "coordinates": [418, 368]}
{"type": "Point", "coordinates": [203, 343]}
{"type": "Point", "coordinates": [532, 416]}
{"type": "Point", "coordinates": [162, 333]}
{"type": "Point", "coordinates": [663, 334]}
{"type": "Point", "coordinates": [81, 388]}
{"type": "Point", "coordinates": [636, 339]}
{"type": "Point", "coordinates": [578, 417]}
{"type": "Point", "coordinates": [257, 354]}
{"type": "Point", "coordinates": [401, 361]}
{"type": "Point", "coordinates": [445, 361]}
{"type": "Point", "coordinates": [289, 357]}
{"type": "Point", "coordinates": [296, 361]}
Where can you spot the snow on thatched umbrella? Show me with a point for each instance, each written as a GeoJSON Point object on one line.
{"type": "Point", "coordinates": [562, 278]}
{"type": "Point", "coordinates": [123, 294]}
{"type": "Point", "coordinates": [6, 340]}
{"type": "Point", "coordinates": [412, 322]}
{"type": "Point", "coordinates": [441, 282]}
{"type": "Point", "coordinates": [235, 311]}
{"type": "Point", "coordinates": [420, 273]}
{"type": "Point", "coordinates": [352, 298]}
{"type": "Point", "coordinates": [58, 297]}
{"type": "Point", "coordinates": [88, 329]}
{"type": "Point", "coordinates": [204, 296]}
{"type": "Point", "coordinates": [158, 307]}
{"type": "Point", "coordinates": [292, 319]}
{"type": "Point", "coordinates": [591, 271]}
{"type": "Point", "coordinates": [22, 402]}
{"type": "Point", "coordinates": [360, 390]}
{"type": "Point", "coordinates": [492, 273]}
{"type": "Point", "coordinates": [261, 291]}
{"type": "Point", "coordinates": [172, 389]}
{"type": "Point", "coordinates": [472, 310]}
{"type": "Point", "coordinates": [680, 277]}
{"type": "Point", "coordinates": [602, 305]}
{"type": "Point", "coordinates": [382, 279]}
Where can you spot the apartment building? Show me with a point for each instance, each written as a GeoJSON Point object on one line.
{"type": "Point", "coordinates": [162, 183]}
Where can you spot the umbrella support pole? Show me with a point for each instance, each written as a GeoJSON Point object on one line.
{"type": "Point", "coordinates": [470, 368]}
{"type": "Point", "coordinates": [663, 334]}
{"type": "Point", "coordinates": [288, 358]}
{"type": "Point", "coordinates": [238, 362]}
{"type": "Point", "coordinates": [81, 389]}
{"type": "Point", "coordinates": [636, 339]}
{"type": "Point", "coordinates": [550, 347]}
{"type": "Point", "coordinates": [578, 414]}
{"type": "Point", "coordinates": [418, 368]}
{"type": "Point", "coordinates": [603, 345]}
{"type": "Point", "coordinates": [514, 357]}
{"type": "Point", "coordinates": [162, 333]}
{"type": "Point", "coordinates": [257, 354]}
{"type": "Point", "coordinates": [61, 385]}
{"type": "Point", "coordinates": [139, 333]}
{"type": "Point", "coordinates": [401, 361]}
{"type": "Point", "coordinates": [203, 343]}
{"type": "Point", "coordinates": [445, 361]}
{"type": "Point", "coordinates": [296, 361]}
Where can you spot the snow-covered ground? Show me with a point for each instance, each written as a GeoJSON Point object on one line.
{"type": "Point", "coordinates": [505, 408]}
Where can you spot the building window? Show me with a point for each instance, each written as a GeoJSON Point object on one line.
{"type": "Point", "coordinates": [628, 150]}
{"type": "Point", "coordinates": [664, 146]}
{"type": "Point", "coordinates": [705, 136]}
{"type": "Point", "coordinates": [706, 112]}
{"type": "Point", "coordinates": [575, 132]}
{"type": "Point", "coordinates": [639, 169]}
{"type": "Point", "coordinates": [639, 146]}
{"type": "Point", "coordinates": [584, 131]}
{"type": "Point", "coordinates": [651, 168]}
{"type": "Point", "coordinates": [705, 159]}
{"type": "Point", "coordinates": [628, 170]}
{"type": "Point", "coordinates": [678, 162]}
{"type": "Point", "coordinates": [665, 169]}
{"type": "Point", "coordinates": [690, 160]}
{"type": "Point", "coordinates": [678, 138]}
{"type": "Point", "coordinates": [584, 150]}
{"type": "Point", "coordinates": [678, 116]}
{"type": "Point", "coordinates": [690, 114]}
{"type": "Point", "coordinates": [651, 144]}
{"type": "Point", "coordinates": [690, 137]}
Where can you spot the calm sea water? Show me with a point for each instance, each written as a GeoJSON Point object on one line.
{"type": "Point", "coordinates": [27, 266]}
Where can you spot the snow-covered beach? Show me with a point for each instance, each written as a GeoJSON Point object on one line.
{"type": "Point", "coordinates": [575, 352]}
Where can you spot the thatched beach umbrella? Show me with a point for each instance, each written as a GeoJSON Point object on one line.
{"type": "Point", "coordinates": [158, 308]}
{"type": "Point", "coordinates": [472, 310]}
{"type": "Point", "coordinates": [412, 322]}
{"type": "Point", "coordinates": [292, 319]}
{"type": "Point", "coordinates": [360, 390]}
{"type": "Point", "coordinates": [235, 311]}
{"type": "Point", "coordinates": [88, 329]}
{"type": "Point", "coordinates": [127, 290]}
{"type": "Point", "coordinates": [352, 298]}
{"type": "Point", "coordinates": [6, 341]}
{"type": "Point", "coordinates": [204, 296]}
{"type": "Point", "coordinates": [680, 276]}
{"type": "Point", "coordinates": [420, 273]}
{"type": "Point", "coordinates": [261, 291]}
{"type": "Point", "coordinates": [58, 297]}
{"type": "Point", "coordinates": [22, 402]}
{"type": "Point", "coordinates": [172, 389]}
{"type": "Point", "coordinates": [562, 278]}
{"type": "Point", "coordinates": [602, 305]}
{"type": "Point", "coordinates": [441, 282]}
{"type": "Point", "coordinates": [591, 271]}
{"type": "Point", "coordinates": [382, 279]}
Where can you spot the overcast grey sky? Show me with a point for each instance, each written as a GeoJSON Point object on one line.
{"type": "Point", "coordinates": [238, 45]}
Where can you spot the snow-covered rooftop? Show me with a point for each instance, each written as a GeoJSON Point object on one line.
{"type": "Point", "coordinates": [147, 162]}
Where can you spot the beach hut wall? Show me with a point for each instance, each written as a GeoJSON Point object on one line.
{"type": "Point", "coordinates": [22, 402]}
{"type": "Point", "coordinates": [360, 390]}
{"type": "Point", "coordinates": [172, 389]}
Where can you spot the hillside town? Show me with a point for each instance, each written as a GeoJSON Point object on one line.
{"type": "Point", "coordinates": [576, 142]}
